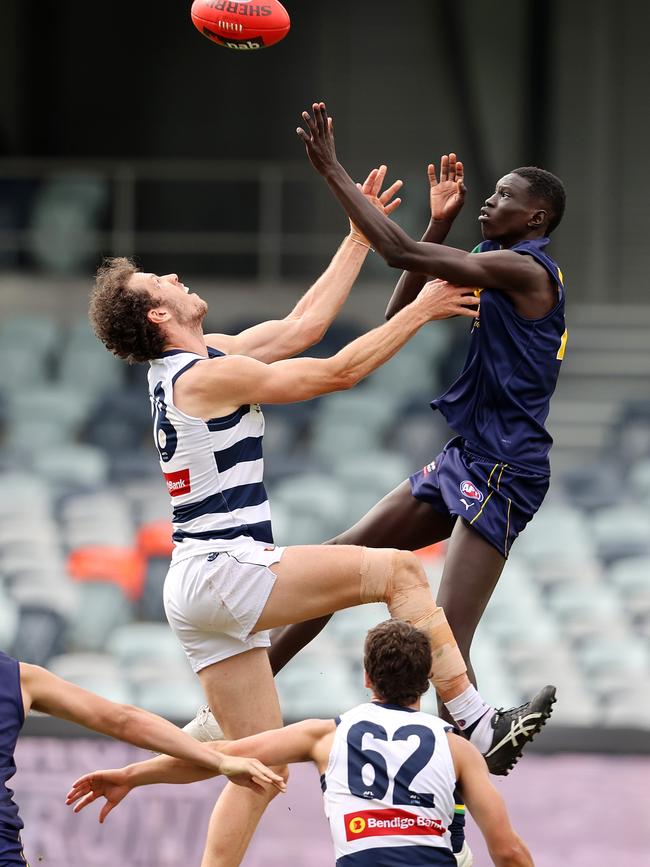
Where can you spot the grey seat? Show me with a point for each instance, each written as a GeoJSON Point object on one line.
{"type": "Point", "coordinates": [102, 608]}
{"type": "Point", "coordinates": [72, 465]}
{"type": "Point", "coordinates": [137, 643]}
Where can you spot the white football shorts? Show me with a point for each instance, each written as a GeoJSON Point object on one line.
{"type": "Point", "coordinates": [213, 601]}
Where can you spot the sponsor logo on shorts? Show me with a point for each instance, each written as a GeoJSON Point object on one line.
{"type": "Point", "coordinates": [178, 483]}
{"type": "Point", "coordinates": [429, 468]}
{"type": "Point", "coordinates": [379, 823]}
{"type": "Point", "coordinates": [469, 490]}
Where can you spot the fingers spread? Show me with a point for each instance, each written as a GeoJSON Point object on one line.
{"type": "Point", "coordinates": [87, 799]}
{"type": "Point", "coordinates": [309, 120]}
{"type": "Point", "coordinates": [318, 118]}
{"type": "Point", "coordinates": [105, 810]}
{"type": "Point", "coordinates": [431, 171]}
{"type": "Point", "coordinates": [388, 194]}
{"type": "Point", "coordinates": [379, 180]}
{"type": "Point", "coordinates": [303, 135]}
{"type": "Point", "coordinates": [452, 167]}
{"type": "Point", "coordinates": [393, 206]}
{"type": "Point", "coordinates": [368, 183]}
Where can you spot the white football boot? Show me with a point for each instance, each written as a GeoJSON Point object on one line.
{"type": "Point", "coordinates": [204, 726]}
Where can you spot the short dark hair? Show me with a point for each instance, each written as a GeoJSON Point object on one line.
{"type": "Point", "coordinates": [397, 659]}
{"type": "Point", "coordinates": [547, 187]}
{"type": "Point", "coordinates": [118, 314]}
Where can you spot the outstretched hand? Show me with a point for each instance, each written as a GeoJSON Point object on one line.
{"type": "Point", "coordinates": [446, 195]}
{"type": "Point", "coordinates": [114, 785]}
{"type": "Point", "coordinates": [111, 784]}
{"type": "Point", "coordinates": [251, 773]}
{"type": "Point", "coordinates": [384, 202]}
{"type": "Point", "coordinates": [319, 138]}
{"type": "Point", "coordinates": [442, 300]}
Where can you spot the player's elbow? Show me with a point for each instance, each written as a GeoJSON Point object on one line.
{"type": "Point", "coordinates": [312, 331]}
{"type": "Point", "coordinates": [398, 252]}
{"type": "Point", "coordinates": [343, 380]}
{"type": "Point", "coordinates": [510, 852]}
{"type": "Point", "coordinates": [394, 255]}
{"type": "Point", "coordinates": [127, 721]}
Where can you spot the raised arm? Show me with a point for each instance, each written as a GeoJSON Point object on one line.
{"type": "Point", "coordinates": [314, 313]}
{"type": "Point", "coordinates": [502, 269]}
{"type": "Point", "coordinates": [446, 198]}
{"type": "Point", "coordinates": [219, 386]}
{"type": "Point", "coordinates": [45, 692]}
{"type": "Point", "coordinates": [487, 807]}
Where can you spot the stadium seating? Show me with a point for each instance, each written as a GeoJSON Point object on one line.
{"type": "Point", "coordinates": [9, 617]}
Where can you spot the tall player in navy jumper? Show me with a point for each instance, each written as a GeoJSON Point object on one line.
{"type": "Point", "coordinates": [389, 771]}
{"type": "Point", "coordinates": [493, 476]}
{"type": "Point", "coordinates": [228, 584]}
{"type": "Point", "coordinates": [24, 686]}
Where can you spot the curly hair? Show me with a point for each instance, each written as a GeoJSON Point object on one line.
{"type": "Point", "coordinates": [118, 314]}
{"type": "Point", "coordinates": [548, 188]}
{"type": "Point", "coordinates": [397, 660]}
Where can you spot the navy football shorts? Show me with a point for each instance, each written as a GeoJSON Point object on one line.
{"type": "Point", "coordinates": [495, 499]}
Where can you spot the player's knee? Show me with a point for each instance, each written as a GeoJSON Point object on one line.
{"type": "Point", "coordinates": [408, 571]}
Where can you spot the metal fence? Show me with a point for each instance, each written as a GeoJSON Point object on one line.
{"type": "Point", "coordinates": [109, 207]}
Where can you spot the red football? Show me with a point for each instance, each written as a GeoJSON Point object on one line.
{"type": "Point", "coordinates": [246, 25]}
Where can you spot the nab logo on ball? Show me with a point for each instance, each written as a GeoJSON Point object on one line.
{"type": "Point", "coordinates": [471, 494]}
{"type": "Point", "coordinates": [246, 25]}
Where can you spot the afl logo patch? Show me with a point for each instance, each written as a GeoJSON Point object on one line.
{"type": "Point", "coordinates": [469, 489]}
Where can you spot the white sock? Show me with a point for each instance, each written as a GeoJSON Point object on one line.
{"type": "Point", "coordinates": [468, 709]}
{"type": "Point", "coordinates": [483, 732]}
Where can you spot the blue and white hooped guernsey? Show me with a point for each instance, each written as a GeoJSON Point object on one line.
{"type": "Point", "coordinates": [213, 469]}
{"type": "Point", "coordinates": [388, 789]}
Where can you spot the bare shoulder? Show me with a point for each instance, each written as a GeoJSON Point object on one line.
{"type": "Point", "coordinates": [32, 678]}
{"type": "Point", "coordinates": [322, 733]}
{"type": "Point", "coordinates": [222, 367]}
{"type": "Point", "coordinates": [461, 747]}
{"type": "Point", "coordinates": [522, 262]}
{"type": "Point", "coordinates": [29, 674]}
{"type": "Point", "coordinates": [465, 756]}
{"type": "Point", "coordinates": [216, 386]}
{"type": "Point", "coordinates": [319, 727]}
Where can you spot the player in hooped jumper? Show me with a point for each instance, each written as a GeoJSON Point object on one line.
{"type": "Point", "coordinates": [24, 686]}
{"type": "Point", "coordinates": [228, 584]}
{"type": "Point", "coordinates": [388, 770]}
{"type": "Point", "coordinates": [495, 473]}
